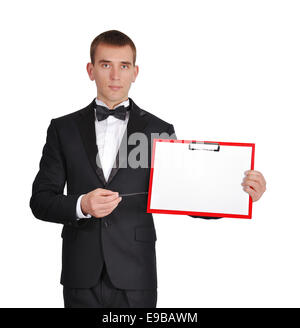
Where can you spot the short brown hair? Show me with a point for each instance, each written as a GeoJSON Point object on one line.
{"type": "Point", "coordinates": [112, 37]}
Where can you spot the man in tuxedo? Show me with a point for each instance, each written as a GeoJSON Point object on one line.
{"type": "Point", "coordinates": [108, 253]}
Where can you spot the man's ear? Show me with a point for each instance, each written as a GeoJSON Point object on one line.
{"type": "Point", "coordinates": [90, 71]}
{"type": "Point", "coordinates": [136, 72]}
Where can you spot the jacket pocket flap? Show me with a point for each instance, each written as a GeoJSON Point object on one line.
{"type": "Point", "coordinates": [146, 234]}
{"type": "Point", "coordinates": [68, 233]}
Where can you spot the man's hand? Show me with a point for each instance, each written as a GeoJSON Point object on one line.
{"type": "Point", "coordinates": [254, 184]}
{"type": "Point", "coordinates": [99, 202]}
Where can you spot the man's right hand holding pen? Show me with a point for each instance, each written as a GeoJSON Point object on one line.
{"type": "Point", "coordinates": [100, 202]}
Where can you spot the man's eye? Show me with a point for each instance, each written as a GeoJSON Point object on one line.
{"type": "Point", "coordinates": [124, 66]}
{"type": "Point", "coordinates": [105, 65]}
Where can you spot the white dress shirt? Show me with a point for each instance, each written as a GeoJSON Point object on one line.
{"type": "Point", "coordinates": [109, 134]}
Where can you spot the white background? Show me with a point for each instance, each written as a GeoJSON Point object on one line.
{"type": "Point", "coordinates": [217, 70]}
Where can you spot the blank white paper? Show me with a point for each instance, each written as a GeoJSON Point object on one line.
{"type": "Point", "coordinates": [200, 180]}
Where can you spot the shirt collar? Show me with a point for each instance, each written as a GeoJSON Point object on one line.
{"type": "Point", "coordinates": [125, 103]}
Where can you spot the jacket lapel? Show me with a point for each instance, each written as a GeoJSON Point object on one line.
{"type": "Point", "coordinates": [136, 123]}
{"type": "Point", "coordinates": [86, 124]}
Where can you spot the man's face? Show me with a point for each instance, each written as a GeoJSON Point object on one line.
{"type": "Point", "coordinates": [113, 73]}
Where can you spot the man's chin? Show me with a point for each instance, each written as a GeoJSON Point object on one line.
{"type": "Point", "coordinates": [117, 98]}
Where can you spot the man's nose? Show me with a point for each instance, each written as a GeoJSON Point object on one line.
{"type": "Point", "coordinates": [115, 74]}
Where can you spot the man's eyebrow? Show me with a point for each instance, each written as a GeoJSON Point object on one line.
{"type": "Point", "coordinates": [109, 61]}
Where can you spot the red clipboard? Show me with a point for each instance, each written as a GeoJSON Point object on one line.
{"type": "Point", "coordinates": [222, 146]}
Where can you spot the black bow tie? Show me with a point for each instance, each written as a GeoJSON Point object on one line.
{"type": "Point", "coordinates": [103, 112]}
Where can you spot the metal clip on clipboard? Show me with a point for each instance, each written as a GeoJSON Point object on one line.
{"type": "Point", "coordinates": [210, 146]}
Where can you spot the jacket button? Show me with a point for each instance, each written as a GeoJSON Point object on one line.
{"type": "Point", "coordinates": [106, 224]}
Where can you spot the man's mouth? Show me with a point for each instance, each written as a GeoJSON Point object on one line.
{"type": "Point", "coordinates": [115, 88]}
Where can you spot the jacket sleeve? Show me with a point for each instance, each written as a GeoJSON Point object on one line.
{"type": "Point", "coordinates": [47, 202]}
{"type": "Point", "coordinates": [172, 134]}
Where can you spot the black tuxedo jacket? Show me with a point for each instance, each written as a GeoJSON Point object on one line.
{"type": "Point", "coordinates": [125, 239]}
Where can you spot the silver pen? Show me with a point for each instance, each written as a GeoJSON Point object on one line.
{"type": "Point", "coordinates": [133, 194]}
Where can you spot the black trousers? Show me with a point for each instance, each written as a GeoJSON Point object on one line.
{"type": "Point", "coordinates": [105, 295]}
